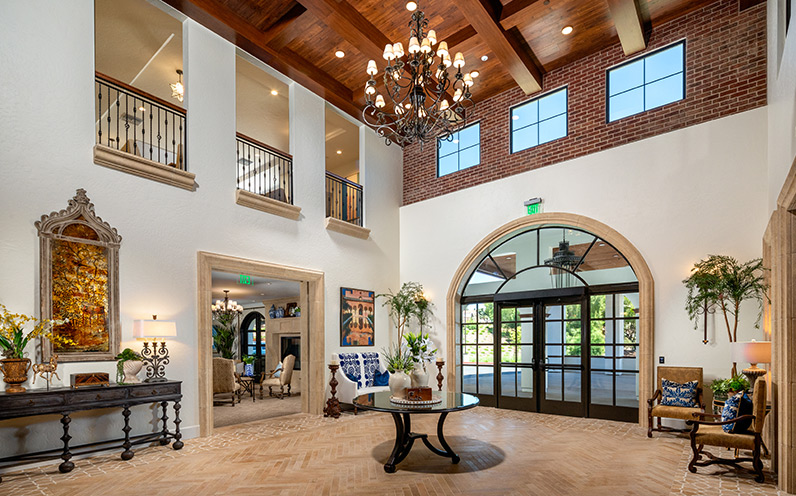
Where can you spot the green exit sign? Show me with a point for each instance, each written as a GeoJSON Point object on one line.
{"type": "Point", "coordinates": [534, 209]}
{"type": "Point", "coordinates": [244, 279]}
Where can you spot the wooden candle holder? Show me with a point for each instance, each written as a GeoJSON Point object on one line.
{"type": "Point", "coordinates": [440, 377]}
{"type": "Point", "coordinates": [332, 404]}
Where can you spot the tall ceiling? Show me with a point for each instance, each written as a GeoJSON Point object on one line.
{"type": "Point", "coordinates": [259, 289]}
{"type": "Point", "coordinates": [521, 39]}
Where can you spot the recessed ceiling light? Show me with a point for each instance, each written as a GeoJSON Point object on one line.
{"type": "Point", "coordinates": [455, 141]}
{"type": "Point", "coordinates": [339, 152]}
{"type": "Point", "coordinates": [274, 92]}
{"type": "Point", "coordinates": [475, 74]}
{"type": "Point", "coordinates": [411, 6]}
{"type": "Point", "coordinates": [515, 117]}
{"type": "Point", "coordinates": [339, 54]}
{"type": "Point", "coordinates": [484, 58]}
{"type": "Point", "coordinates": [142, 109]}
{"type": "Point", "coordinates": [566, 30]}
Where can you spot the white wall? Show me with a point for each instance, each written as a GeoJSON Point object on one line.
{"type": "Point", "coordinates": [677, 197]}
{"type": "Point", "coordinates": [781, 97]}
{"type": "Point", "coordinates": [46, 138]}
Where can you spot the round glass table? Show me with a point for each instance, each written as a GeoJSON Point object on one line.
{"type": "Point", "coordinates": [401, 415]}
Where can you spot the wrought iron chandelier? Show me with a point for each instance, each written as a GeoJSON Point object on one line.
{"type": "Point", "coordinates": [227, 308]}
{"type": "Point", "coordinates": [416, 104]}
{"type": "Point", "coordinates": [562, 264]}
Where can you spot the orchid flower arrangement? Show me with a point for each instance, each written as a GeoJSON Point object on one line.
{"type": "Point", "coordinates": [419, 347]}
{"type": "Point", "coordinates": [13, 338]}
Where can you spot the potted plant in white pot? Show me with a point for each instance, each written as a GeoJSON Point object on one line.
{"type": "Point", "coordinates": [399, 364]}
{"type": "Point", "coordinates": [128, 365]}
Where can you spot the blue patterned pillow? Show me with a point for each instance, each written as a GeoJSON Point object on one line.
{"type": "Point", "coordinates": [349, 364]}
{"type": "Point", "coordinates": [676, 394]}
{"type": "Point", "coordinates": [381, 378]}
{"type": "Point", "coordinates": [737, 406]}
{"type": "Point", "coordinates": [371, 362]}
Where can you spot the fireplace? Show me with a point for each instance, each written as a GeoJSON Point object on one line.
{"type": "Point", "coordinates": [291, 345]}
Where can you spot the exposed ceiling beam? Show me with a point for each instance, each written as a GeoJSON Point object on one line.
{"type": "Point", "coordinates": [629, 25]}
{"type": "Point", "coordinates": [346, 21]}
{"type": "Point", "coordinates": [507, 48]}
{"type": "Point", "coordinates": [516, 12]}
{"type": "Point", "coordinates": [459, 36]}
{"type": "Point", "coordinates": [238, 31]}
{"type": "Point", "coordinates": [283, 22]}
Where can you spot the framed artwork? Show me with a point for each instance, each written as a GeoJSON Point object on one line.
{"type": "Point", "coordinates": [79, 281]}
{"type": "Point", "coordinates": [357, 317]}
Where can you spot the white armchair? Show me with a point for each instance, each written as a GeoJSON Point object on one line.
{"type": "Point", "coordinates": [356, 376]}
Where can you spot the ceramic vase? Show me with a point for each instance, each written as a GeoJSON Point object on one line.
{"type": "Point", "coordinates": [399, 381]}
{"type": "Point", "coordinates": [248, 370]}
{"type": "Point", "coordinates": [419, 375]}
{"type": "Point", "coordinates": [131, 368]}
{"type": "Point", "coordinates": [15, 372]}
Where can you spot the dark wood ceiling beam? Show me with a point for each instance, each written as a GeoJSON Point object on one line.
{"type": "Point", "coordinates": [244, 35]}
{"type": "Point", "coordinates": [283, 23]}
{"type": "Point", "coordinates": [629, 25]}
{"type": "Point", "coordinates": [515, 13]}
{"type": "Point", "coordinates": [512, 53]}
{"type": "Point", "coordinates": [352, 26]}
{"type": "Point", "coordinates": [459, 36]}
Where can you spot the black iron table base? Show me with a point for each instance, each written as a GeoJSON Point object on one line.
{"type": "Point", "coordinates": [405, 438]}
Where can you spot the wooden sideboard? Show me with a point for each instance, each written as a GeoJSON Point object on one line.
{"type": "Point", "coordinates": [64, 401]}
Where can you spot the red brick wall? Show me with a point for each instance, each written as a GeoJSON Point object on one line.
{"type": "Point", "coordinates": [725, 74]}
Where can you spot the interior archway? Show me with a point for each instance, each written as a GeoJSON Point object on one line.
{"type": "Point", "coordinates": [625, 247]}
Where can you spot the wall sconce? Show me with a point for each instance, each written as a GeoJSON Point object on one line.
{"type": "Point", "coordinates": [157, 357]}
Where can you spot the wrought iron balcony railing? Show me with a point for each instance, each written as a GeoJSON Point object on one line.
{"type": "Point", "coordinates": [264, 170]}
{"type": "Point", "coordinates": [133, 121]}
{"type": "Point", "coordinates": [343, 199]}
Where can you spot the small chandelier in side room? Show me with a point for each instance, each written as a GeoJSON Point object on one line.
{"type": "Point", "coordinates": [421, 100]}
{"type": "Point", "coordinates": [177, 89]}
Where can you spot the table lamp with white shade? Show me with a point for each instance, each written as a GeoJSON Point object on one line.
{"type": "Point", "coordinates": [752, 352]}
{"type": "Point", "coordinates": [156, 357]}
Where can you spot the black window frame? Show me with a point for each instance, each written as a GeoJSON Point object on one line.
{"type": "Point", "coordinates": [459, 149]}
{"type": "Point", "coordinates": [644, 85]}
{"type": "Point", "coordinates": [535, 99]}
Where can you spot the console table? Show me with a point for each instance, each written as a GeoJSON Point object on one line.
{"type": "Point", "coordinates": [64, 401]}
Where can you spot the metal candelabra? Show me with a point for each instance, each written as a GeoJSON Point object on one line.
{"type": "Point", "coordinates": [156, 358]}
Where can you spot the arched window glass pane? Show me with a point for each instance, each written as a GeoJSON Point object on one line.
{"type": "Point", "coordinates": [538, 278]}
{"type": "Point", "coordinates": [604, 265]}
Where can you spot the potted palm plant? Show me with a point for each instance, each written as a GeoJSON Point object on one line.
{"type": "Point", "coordinates": [723, 282]}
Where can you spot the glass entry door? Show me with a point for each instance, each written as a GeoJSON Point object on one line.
{"type": "Point", "coordinates": [541, 364]}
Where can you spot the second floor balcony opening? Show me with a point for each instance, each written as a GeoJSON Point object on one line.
{"type": "Point", "coordinates": [343, 191]}
{"type": "Point", "coordinates": [137, 106]}
{"type": "Point", "coordinates": [263, 165]}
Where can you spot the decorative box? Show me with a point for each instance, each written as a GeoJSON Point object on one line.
{"type": "Point", "coordinates": [418, 394]}
{"type": "Point", "coordinates": [89, 379]}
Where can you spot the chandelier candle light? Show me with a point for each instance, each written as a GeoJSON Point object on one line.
{"type": "Point", "coordinates": [418, 106]}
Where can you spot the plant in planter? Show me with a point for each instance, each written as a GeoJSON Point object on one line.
{"type": "Point", "coordinates": [407, 304]}
{"type": "Point", "coordinates": [248, 362]}
{"type": "Point", "coordinates": [721, 281]}
{"type": "Point", "coordinates": [14, 339]}
{"type": "Point", "coordinates": [399, 364]}
{"type": "Point", "coordinates": [128, 365]}
{"type": "Point", "coordinates": [723, 388]}
{"type": "Point", "coordinates": [419, 348]}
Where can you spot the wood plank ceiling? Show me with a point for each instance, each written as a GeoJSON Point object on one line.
{"type": "Point", "coordinates": [521, 39]}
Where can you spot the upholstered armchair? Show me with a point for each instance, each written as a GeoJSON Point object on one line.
{"type": "Point", "coordinates": [680, 375]}
{"type": "Point", "coordinates": [710, 433]}
{"type": "Point", "coordinates": [224, 382]}
{"type": "Point", "coordinates": [282, 382]}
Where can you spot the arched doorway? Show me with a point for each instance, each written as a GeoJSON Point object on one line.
{"type": "Point", "coordinates": [553, 313]}
{"type": "Point", "coordinates": [252, 340]}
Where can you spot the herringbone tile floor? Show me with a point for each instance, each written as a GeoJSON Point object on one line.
{"type": "Point", "coordinates": [503, 453]}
